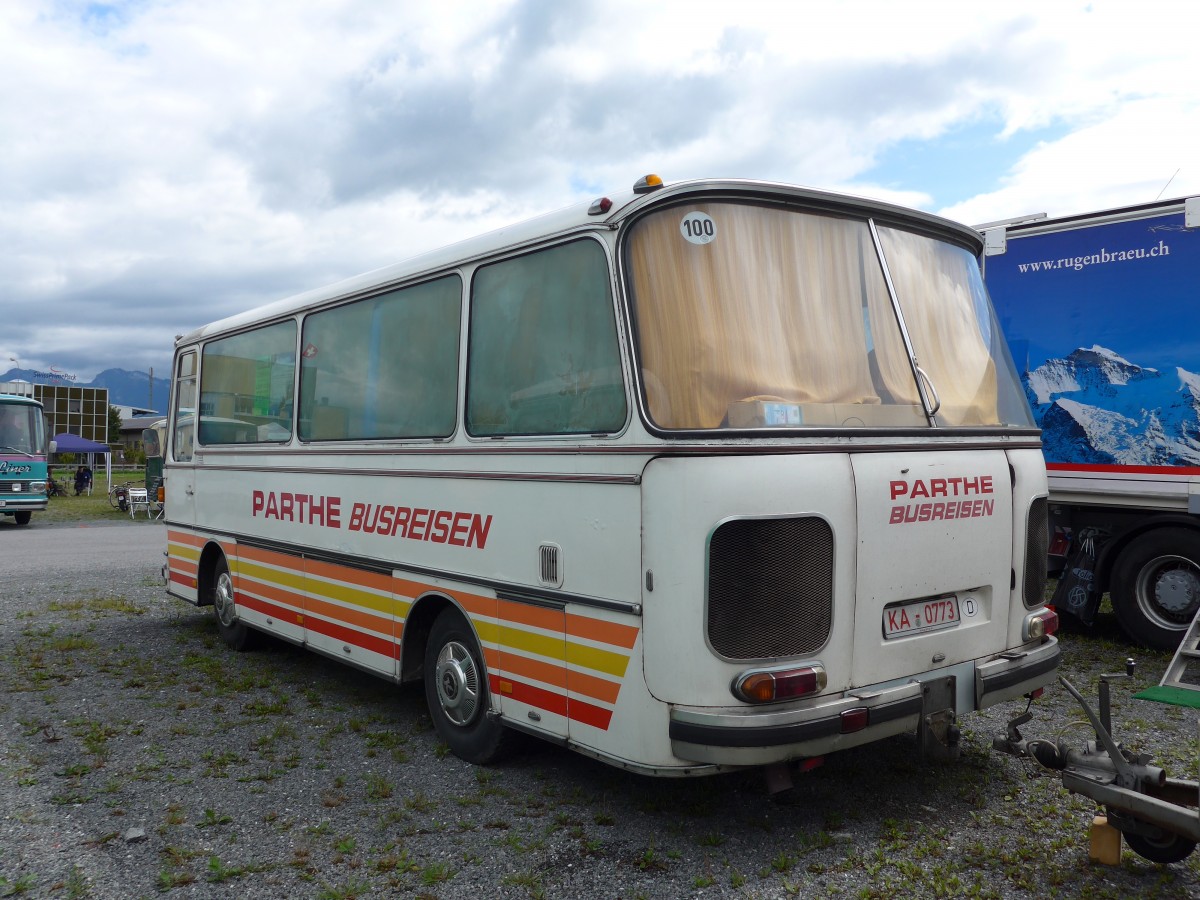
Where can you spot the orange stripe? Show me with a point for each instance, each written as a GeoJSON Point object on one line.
{"type": "Point", "coordinates": [535, 616]}
{"type": "Point", "coordinates": [185, 537]}
{"type": "Point", "coordinates": [591, 686]}
{"type": "Point", "coordinates": [270, 591]}
{"type": "Point", "coordinates": [270, 558]}
{"type": "Point", "coordinates": [183, 565]}
{"type": "Point", "coordinates": [599, 630]}
{"type": "Point", "coordinates": [355, 617]}
{"type": "Point", "coordinates": [547, 673]}
{"type": "Point", "coordinates": [348, 575]}
{"type": "Point", "coordinates": [559, 676]}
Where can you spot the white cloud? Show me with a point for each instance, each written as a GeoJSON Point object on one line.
{"type": "Point", "coordinates": [171, 163]}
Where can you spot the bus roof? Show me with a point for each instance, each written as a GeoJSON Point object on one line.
{"type": "Point", "coordinates": [18, 399]}
{"type": "Point", "coordinates": [574, 218]}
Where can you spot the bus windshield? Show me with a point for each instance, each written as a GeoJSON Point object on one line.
{"type": "Point", "coordinates": [21, 429]}
{"type": "Point", "coordinates": [752, 316]}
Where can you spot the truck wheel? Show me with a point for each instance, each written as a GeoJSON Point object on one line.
{"type": "Point", "coordinates": [1156, 586]}
{"type": "Point", "coordinates": [1167, 848]}
{"type": "Point", "coordinates": [23, 517]}
{"type": "Point", "coordinates": [233, 631]}
{"type": "Point", "coordinates": [456, 690]}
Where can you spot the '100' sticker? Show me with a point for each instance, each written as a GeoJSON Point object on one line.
{"type": "Point", "coordinates": [698, 228]}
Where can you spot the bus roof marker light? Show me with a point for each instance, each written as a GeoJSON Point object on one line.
{"type": "Point", "coordinates": [647, 183]}
{"type": "Point", "coordinates": [599, 206]}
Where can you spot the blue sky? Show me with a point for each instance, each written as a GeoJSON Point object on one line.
{"type": "Point", "coordinates": [166, 163]}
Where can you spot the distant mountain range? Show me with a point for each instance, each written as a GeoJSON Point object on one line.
{"type": "Point", "coordinates": [125, 388]}
{"type": "Point", "coordinates": [1095, 406]}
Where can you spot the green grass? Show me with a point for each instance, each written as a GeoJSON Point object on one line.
{"type": "Point", "coordinates": [87, 508]}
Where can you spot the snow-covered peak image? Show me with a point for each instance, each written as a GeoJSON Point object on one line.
{"type": "Point", "coordinates": [1097, 407]}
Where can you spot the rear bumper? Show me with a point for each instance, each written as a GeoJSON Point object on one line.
{"type": "Point", "coordinates": [750, 736]}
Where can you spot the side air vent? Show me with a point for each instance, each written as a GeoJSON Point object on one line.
{"type": "Point", "coordinates": [770, 587]}
{"type": "Point", "coordinates": [1037, 544]}
{"type": "Point", "coordinates": [550, 570]}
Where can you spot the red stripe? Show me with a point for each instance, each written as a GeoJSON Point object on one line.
{"type": "Point", "coordinates": [579, 710]}
{"type": "Point", "coordinates": [596, 716]}
{"type": "Point", "coordinates": [527, 693]}
{"type": "Point", "coordinates": [267, 609]}
{"type": "Point", "coordinates": [1135, 470]}
{"type": "Point", "coordinates": [382, 646]}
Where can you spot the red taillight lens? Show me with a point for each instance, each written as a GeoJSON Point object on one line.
{"type": "Point", "coordinates": [788, 684]}
{"type": "Point", "coordinates": [1051, 622]}
{"type": "Point", "coordinates": [855, 719]}
{"type": "Point", "coordinates": [1040, 624]}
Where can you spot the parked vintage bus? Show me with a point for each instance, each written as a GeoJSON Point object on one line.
{"type": "Point", "coordinates": [23, 449]}
{"type": "Point", "coordinates": [694, 477]}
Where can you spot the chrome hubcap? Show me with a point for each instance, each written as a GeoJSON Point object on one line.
{"type": "Point", "coordinates": [457, 680]}
{"type": "Point", "coordinates": [223, 601]}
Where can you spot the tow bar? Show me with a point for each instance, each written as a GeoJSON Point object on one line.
{"type": "Point", "coordinates": [1158, 816]}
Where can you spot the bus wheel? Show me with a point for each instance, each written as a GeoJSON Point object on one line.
{"type": "Point", "coordinates": [456, 689]}
{"type": "Point", "coordinates": [23, 517]}
{"type": "Point", "coordinates": [1156, 586]}
{"type": "Point", "coordinates": [233, 631]}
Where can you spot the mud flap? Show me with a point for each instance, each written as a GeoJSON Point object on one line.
{"type": "Point", "coordinates": [937, 734]}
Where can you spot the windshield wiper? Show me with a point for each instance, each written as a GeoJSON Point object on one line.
{"type": "Point", "coordinates": [16, 450]}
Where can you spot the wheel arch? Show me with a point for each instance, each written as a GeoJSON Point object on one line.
{"type": "Point", "coordinates": [205, 568]}
{"type": "Point", "coordinates": [417, 625]}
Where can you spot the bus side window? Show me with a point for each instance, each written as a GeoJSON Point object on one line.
{"type": "Point", "coordinates": [246, 384]}
{"type": "Point", "coordinates": [383, 367]}
{"type": "Point", "coordinates": [183, 425]}
{"type": "Point", "coordinates": [544, 356]}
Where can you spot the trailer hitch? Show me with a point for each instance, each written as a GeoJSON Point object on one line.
{"type": "Point", "coordinates": [1158, 816]}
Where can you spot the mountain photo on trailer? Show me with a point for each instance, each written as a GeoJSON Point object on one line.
{"type": "Point", "coordinates": [1104, 328]}
{"type": "Point", "coordinates": [1096, 407]}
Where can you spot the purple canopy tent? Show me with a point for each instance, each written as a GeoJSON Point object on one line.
{"type": "Point", "coordinates": [73, 443]}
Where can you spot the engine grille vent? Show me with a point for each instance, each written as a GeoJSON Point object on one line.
{"type": "Point", "coordinates": [550, 569]}
{"type": "Point", "coordinates": [770, 587]}
{"type": "Point", "coordinates": [1037, 544]}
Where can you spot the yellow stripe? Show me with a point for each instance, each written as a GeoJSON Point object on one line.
{"type": "Point", "coordinates": [183, 552]}
{"type": "Point", "coordinates": [291, 580]}
{"type": "Point", "coordinates": [354, 596]}
{"type": "Point", "coordinates": [604, 661]}
{"type": "Point", "coordinates": [549, 647]}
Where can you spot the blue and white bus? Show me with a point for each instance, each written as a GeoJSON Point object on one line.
{"type": "Point", "coordinates": [23, 448]}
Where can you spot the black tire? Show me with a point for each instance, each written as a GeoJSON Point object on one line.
{"type": "Point", "coordinates": [233, 631]}
{"type": "Point", "coordinates": [456, 690]}
{"type": "Point", "coordinates": [23, 516]}
{"type": "Point", "coordinates": [1168, 848]}
{"type": "Point", "coordinates": [1156, 586]}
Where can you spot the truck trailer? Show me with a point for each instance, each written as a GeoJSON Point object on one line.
{"type": "Point", "coordinates": [1102, 316]}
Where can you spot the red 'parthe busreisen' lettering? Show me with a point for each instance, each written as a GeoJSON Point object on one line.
{"type": "Point", "coordinates": [942, 487]}
{"type": "Point", "coordinates": [937, 512]}
{"type": "Point", "coordinates": [303, 509]}
{"type": "Point", "coordinates": [962, 486]}
{"type": "Point", "coordinates": [438, 526]}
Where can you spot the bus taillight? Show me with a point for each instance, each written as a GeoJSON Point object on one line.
{"type": "Point", "coordinates": [1040, 624]}
{"type": "Point", "coordinates": [767, 686]}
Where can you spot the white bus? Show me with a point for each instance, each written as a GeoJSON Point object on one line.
{"type": "Point", "coordinates": [695, 477]}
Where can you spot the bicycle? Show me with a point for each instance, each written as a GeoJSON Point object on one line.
{"type": "Point", "coordinates": [118, 495]}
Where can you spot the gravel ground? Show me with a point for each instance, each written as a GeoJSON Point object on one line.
{"type": "Point", "coordinates": [139, 757]}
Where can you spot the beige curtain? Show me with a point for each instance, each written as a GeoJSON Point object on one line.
{"type": "Point", "coordinates": [777, 305]}
{"type": "Point", "coordinates": [941, 296]}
